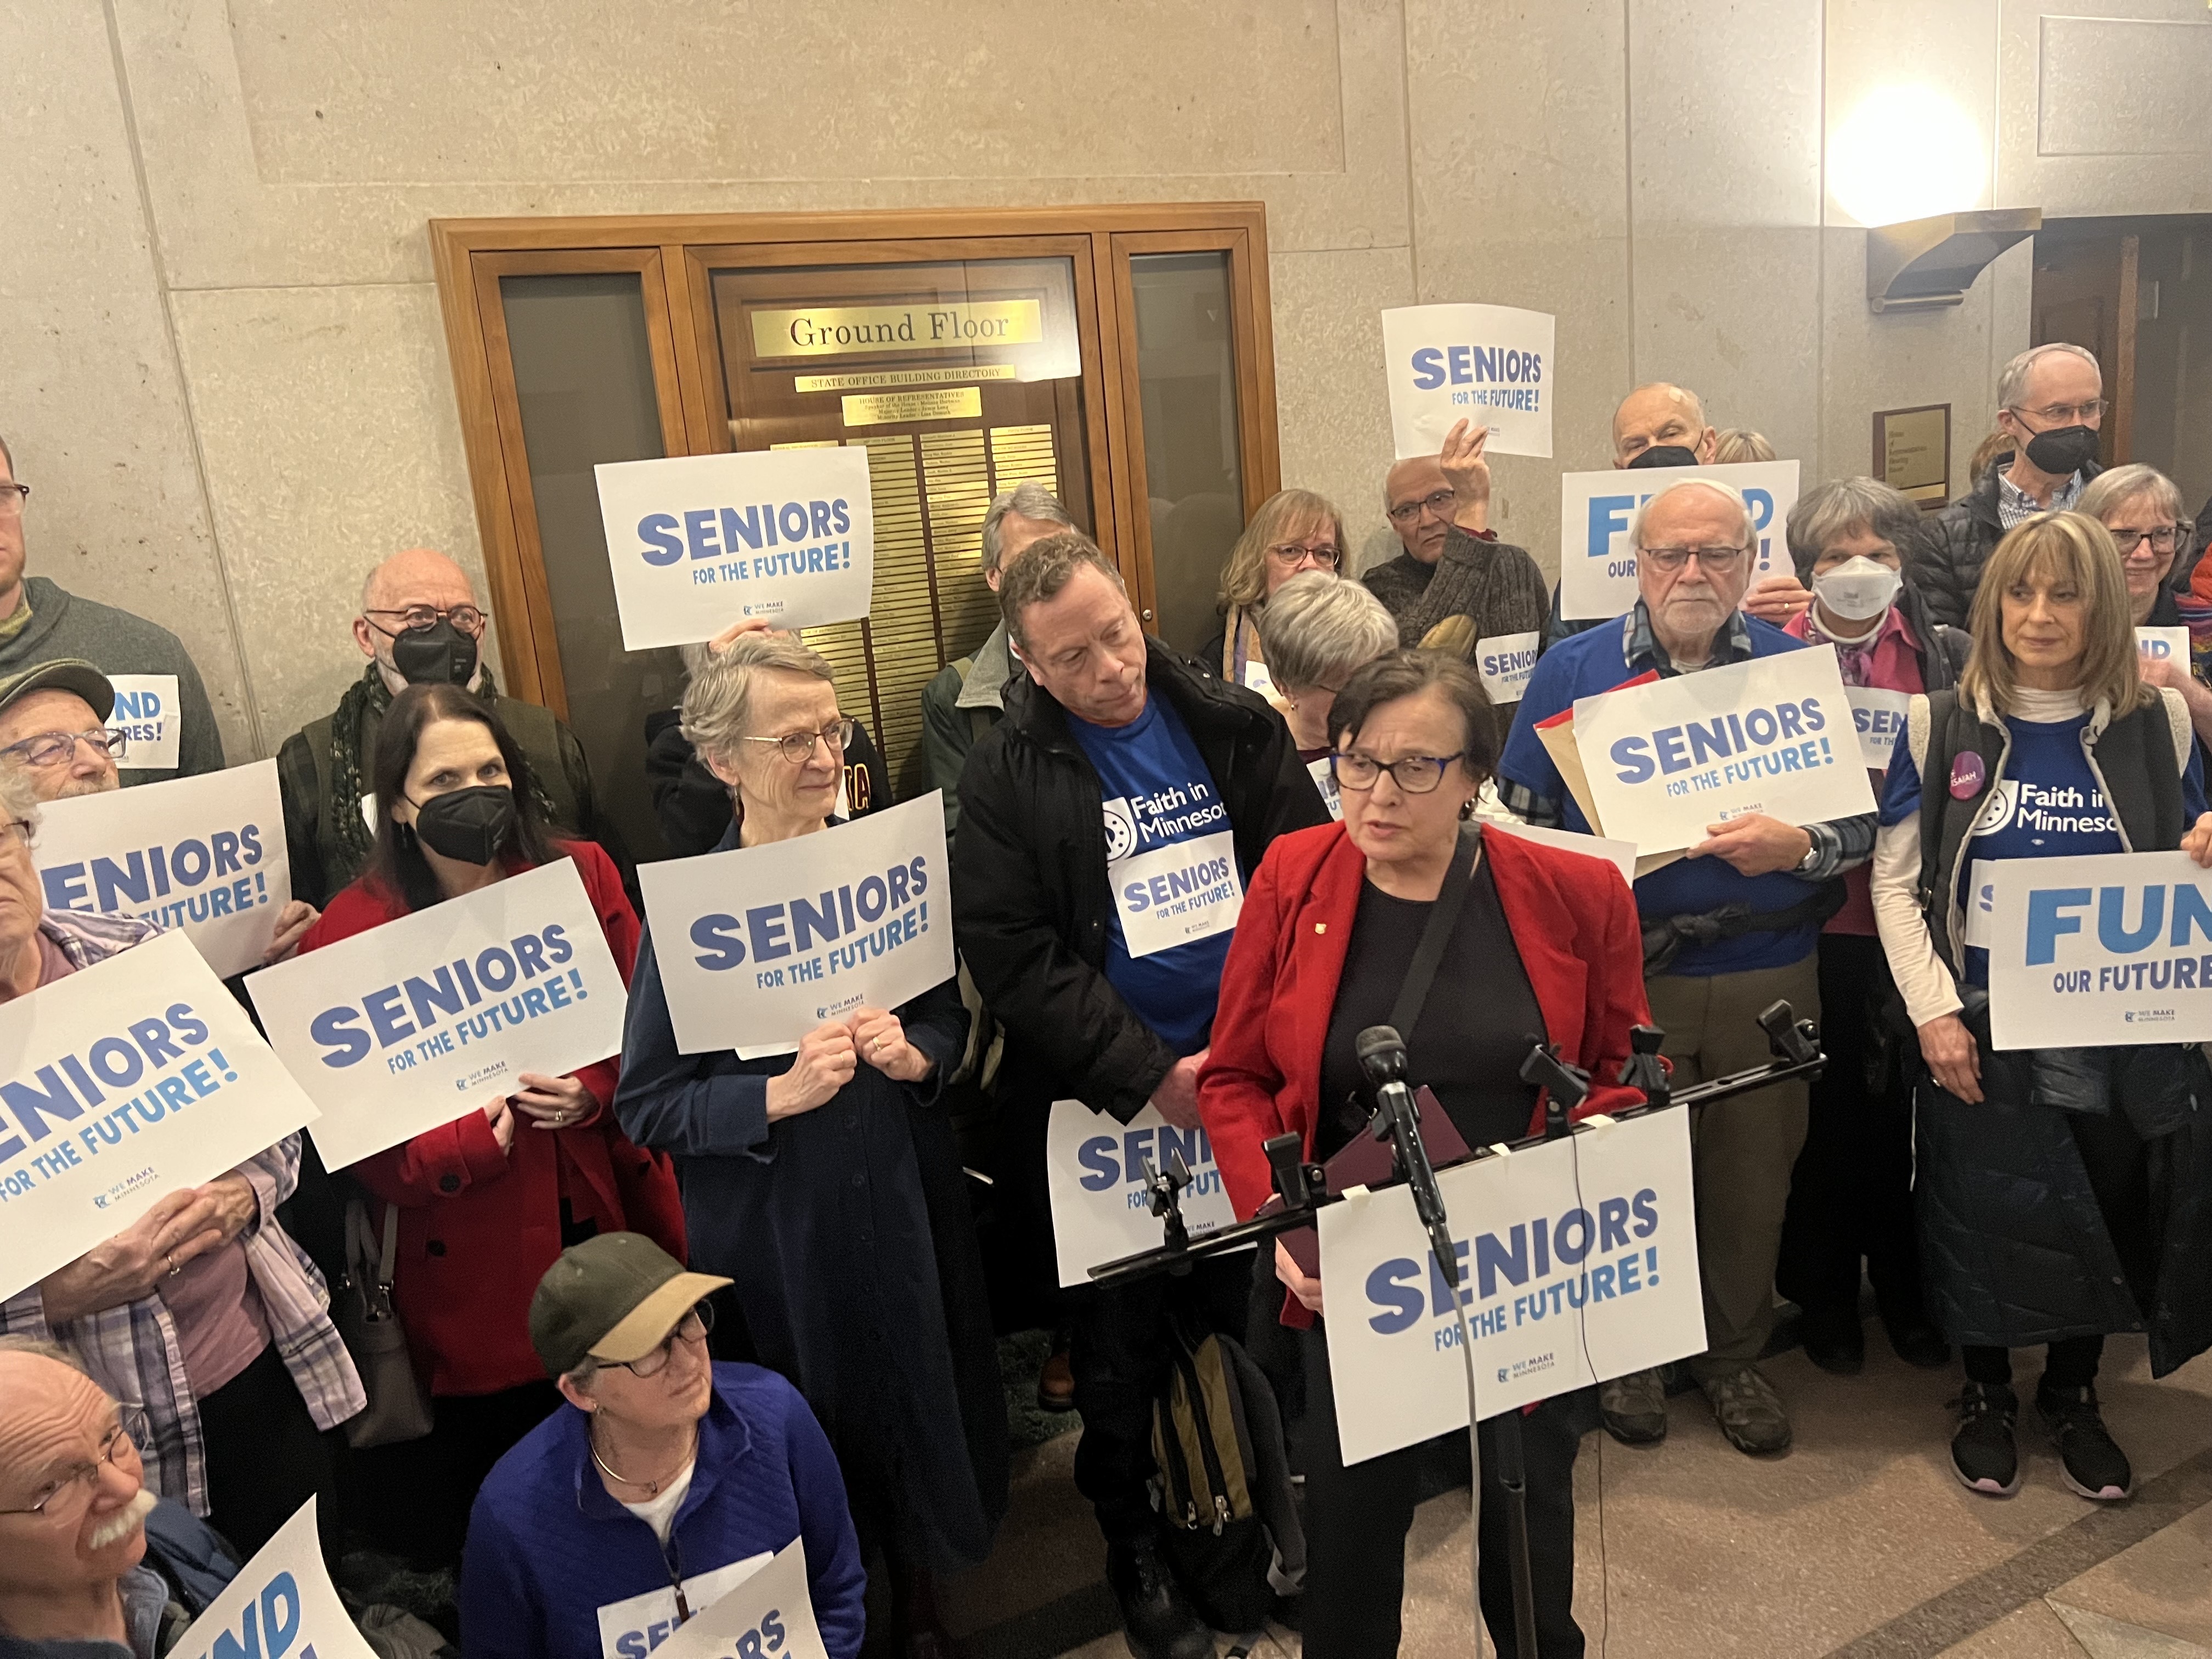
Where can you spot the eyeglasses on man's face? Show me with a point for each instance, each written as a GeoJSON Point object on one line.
{"type": "Point", "coordinates": [798, 747]}
{"type": "Point", "coordinates": [14, 839]}
{"type": "Point", "coordinates": [1438, 502]}
{"type": "Point", "coordinates": [692, 1327]}
{"type": "Point", "coordinates": [465, 617]}
{"type": "Point", "coordinates": [1416, 775]}
{"type": "Point", "coordinates": [1291, 554]}
{"type": "Point", "coordinates": [12, 497]}
{"type": "Point", "coordinates": [2056, 415]}
{"type": "Point", "coordinates": [56, 1493]}
{"type": "Point", "coordinates": [1714, 561]}
{"type": "Point", "coordinates": [2166, 538]}
{"type": "Point", "coordinates": [48, 749]}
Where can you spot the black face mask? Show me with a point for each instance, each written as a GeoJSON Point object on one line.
{"type": "Point", "coordinates": [440, 654]}
{"type": "Point", "coordinates": [468, 825]}
{"type": "Point", "coordinates": [1664, 455]}
{"type": "Point", "coordinates": [2062, 451]}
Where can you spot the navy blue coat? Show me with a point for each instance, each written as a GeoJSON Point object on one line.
{"type": "Point", "coordinates": [847, 1233]}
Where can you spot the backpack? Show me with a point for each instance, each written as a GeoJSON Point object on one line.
{"type": "Point", "coordinates": [1222, 1485]}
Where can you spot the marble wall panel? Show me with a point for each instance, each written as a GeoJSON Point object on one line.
{"type": "Point", "coordinates": [91, 402]}
{"type": "Point", "coordinates": [327, 419]}
{"type": "Point", "coordinates": [1871, 45]}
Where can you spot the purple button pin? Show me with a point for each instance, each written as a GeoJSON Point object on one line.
{"type": "Point", "coordinates": [1967, 775]}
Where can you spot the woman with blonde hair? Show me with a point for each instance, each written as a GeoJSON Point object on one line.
{"type": "Point", "coordinates": [1294, 530]}
{"type": "Point", "coordinates": [2061, 1192]}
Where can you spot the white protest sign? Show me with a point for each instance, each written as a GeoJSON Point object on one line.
{"type": "Point", "coordinates": [642, 1624]}
{"type": "Point", "coordinates": [1621, 855]}
{"type": "Point", "coordinates": [1879, 717]}
{"type": "Point", "coordinates": [1095, 1170]}
{"type": "Point", "coordinates": [1578, 1262]}
{"type": "Point", "coordinates": [1323, 773]}
{"type": "Point", "coordinates": [698, 542]}
{"type": "Point", "coordinates": [1257, 679]}
{"type": "Point", "coordinates": [2113, 948]}
{"type": "Point", "coordinates": [203, 854]}
{"type": "Point", "coordinates": [769, 1615]}
{"type": "Point", "coordinates": [147, 715]}
{"type": "Point", "coordinates": [1506, 661]}
{"type": "Point", "coordinates": [760, 945]}
{"type": "Point", "coordinates": [2163, 645]}
{"type": "Point", "coordinates": [1489, 364]}
{"type": "Point", "coordinates": [280, 1605]}
{"type": "Point", "coordinates": [1772, 735]}
{"type": "Point", "coordinates": [120, 1084]}
{"type": "Point", "coordinates": [1597, 567]}
{"type": "Point", "coordinates": [437, 1014]}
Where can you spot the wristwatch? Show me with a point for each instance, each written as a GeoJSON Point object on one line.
{"type": "Point", "coordinates": [1804, 867]}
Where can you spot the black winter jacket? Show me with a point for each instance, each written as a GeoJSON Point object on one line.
{"type": "Point", "coordinates": [1030, 906]}
{"type": "Point", "coordinates": [1970, 531]}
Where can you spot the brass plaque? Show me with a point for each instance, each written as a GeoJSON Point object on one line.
{"type": "Point", "coordinates": [1912, 452]}
{"type": "Point", "coordinates": [886, 380]}
{"type": "Point", "coordinates": [948, 403]}
{"type": "Point", "coordinates": [831, 331]}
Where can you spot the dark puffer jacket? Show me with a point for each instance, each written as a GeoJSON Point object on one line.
{"type": "Point", "coordinates": [1030, 899]}
{"type": "Point", "coordinates": [2014, 1247]}
{"type": "Point", "coordinates": [1970, 531]}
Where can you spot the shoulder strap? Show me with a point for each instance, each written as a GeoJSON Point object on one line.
{"type": "Point", "coordinates": [388, 1257]}
{"type": "Point", "coordinates": [1429, 954]}
{"type": "Point", "coordinates": [2184, 734]}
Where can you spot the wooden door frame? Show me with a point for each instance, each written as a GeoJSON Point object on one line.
{"type": "Point", "coordinates": [661, 245]}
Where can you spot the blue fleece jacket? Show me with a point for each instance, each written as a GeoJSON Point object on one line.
{"type": "Point", "coordinates": [556, 1568]}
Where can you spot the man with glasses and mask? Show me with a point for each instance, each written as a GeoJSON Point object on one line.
{"type": "Point", "coordinates": [419, 623]}
{"type": "Point", "coordinates": [89, 1556]}
{"type": "Point", "coordinates": [1726, 929]}
{"type": "Point", "coordinates": [1456, 585]}
{"type": "Point", "coordinates": [40, 623]}
{"type": "Point", "coordinates": [2050, 402]}
{"type": "Point", "coordinates": [670, 1481]}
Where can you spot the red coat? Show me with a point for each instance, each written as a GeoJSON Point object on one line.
{"type": "Point", "coordinates": [478, 1228]}
{"type": "Point", "coordinates": [1574, 921]}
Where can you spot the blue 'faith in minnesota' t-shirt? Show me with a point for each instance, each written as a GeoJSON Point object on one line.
{"type": "Point", "coordinates": [2047, 806]}
{"type": "Point", "coordinates": [1171, 868]}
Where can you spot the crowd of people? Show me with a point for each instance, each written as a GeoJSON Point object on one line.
{"type": "Point", "coordinates": [675, 1311]}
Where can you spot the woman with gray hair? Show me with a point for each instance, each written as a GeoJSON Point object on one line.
{"type": "Point", "coordinates": [2141, 506]}
{"type": "Point", "coordinates": [1854, 543]}
{"type": "Point", "coordinates": [825, 1184]}
{"type": "Point", "coordinates": [1316, 632]}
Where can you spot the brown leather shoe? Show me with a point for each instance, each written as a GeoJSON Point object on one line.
{"type": "Point", "coordinates": [1056, 1382]}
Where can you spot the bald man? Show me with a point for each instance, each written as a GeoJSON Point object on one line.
{"type": "Point", "coordinates": [419, 622]}
{"type": "Point", "coordinates": [78, 1565]}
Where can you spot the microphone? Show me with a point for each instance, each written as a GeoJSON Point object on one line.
{"type": "Point", "coordinates": [1382, 1055]}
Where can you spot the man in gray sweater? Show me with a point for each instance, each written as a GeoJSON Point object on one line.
{"type": "Point", "coordinates": [40, 622]}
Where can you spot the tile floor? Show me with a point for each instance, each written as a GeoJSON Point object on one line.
{"type": "Point", "coordinates": [1859, 1543]}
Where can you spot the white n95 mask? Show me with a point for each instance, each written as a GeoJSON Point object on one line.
{"type": "Point", "coordinates": [1857, 589]}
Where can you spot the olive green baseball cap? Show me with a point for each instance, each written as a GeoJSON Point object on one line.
{"type": "Point", "coordinates": [63, 674]}
{"type": "Point", "coordinates": [615, 1297]}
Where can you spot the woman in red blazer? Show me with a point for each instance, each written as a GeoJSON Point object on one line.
{"type": "Point", "coordinates": [1546, 948]}
{"type": "Point", "coordinates": [486, 1202]}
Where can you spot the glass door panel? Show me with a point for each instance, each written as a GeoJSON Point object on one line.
{"type": "Point", "coordinates": [962, 377]}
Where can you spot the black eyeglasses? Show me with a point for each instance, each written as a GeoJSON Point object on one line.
{"type": "Point", "coordinates": [1439, 503]}
{"type": "Point", "coordinates": [798, 747]}
{"type": "Point", "coordinates": [2166, 539]}
{"type": "Point", "coordinates": [465, 617]}
{"type": "Point", "coordinates": [1291, 554]}
{"type": "Point", "coordinates": [1718, 560]}
{"type": "Point", "coordinates": [12, 497]}
{"type": "Point", "coordinates": [692, 1327]}
{"type": "Point", "coordinates": [132, 1431]}
{"type": "Point", "coordinates": [1416, 775]}
{"type": "Point", "coordinates": [57, 748]}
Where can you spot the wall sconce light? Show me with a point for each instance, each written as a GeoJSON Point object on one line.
{"type": "Point", "coordinates": [1924, 263]}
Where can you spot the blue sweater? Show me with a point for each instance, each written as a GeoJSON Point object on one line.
{"type": "Point", "coordinates": [556, 1568]}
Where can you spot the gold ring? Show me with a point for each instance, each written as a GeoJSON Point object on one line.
{"type": "Point", "coordinates": [173, 1268]}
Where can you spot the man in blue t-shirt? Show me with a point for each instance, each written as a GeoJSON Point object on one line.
{"type": "Point", "coordinates": [1694, 543]}
{"type": "Point", "coordinates": [1107, 826]}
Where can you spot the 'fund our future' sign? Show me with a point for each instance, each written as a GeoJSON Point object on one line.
{"type": "Point", "coordinates": [2108, 949]}
{"type": "Point", "coordinates": [1597, 567]}
{"type": "Point", "coordinates": [1773, 735]}
{"type": "Point", "coordinates": [698, 542]}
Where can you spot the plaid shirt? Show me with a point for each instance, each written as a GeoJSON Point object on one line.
{"type": "Point", "coordinates": [2015, 505]}
{"type": "Point", "coordinates": [133, 1351]}
{"type": "Point", "coordinates": [1836, 846]}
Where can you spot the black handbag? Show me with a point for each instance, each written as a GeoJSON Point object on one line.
{"type": "Point", "coordinates": [399, 1406]}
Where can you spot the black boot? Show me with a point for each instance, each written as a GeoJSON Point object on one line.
{"type": "Point", "coordinates": [1157, 1621]}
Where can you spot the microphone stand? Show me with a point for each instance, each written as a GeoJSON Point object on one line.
{"type": "Point", "coordinates": [1303, 1189]}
